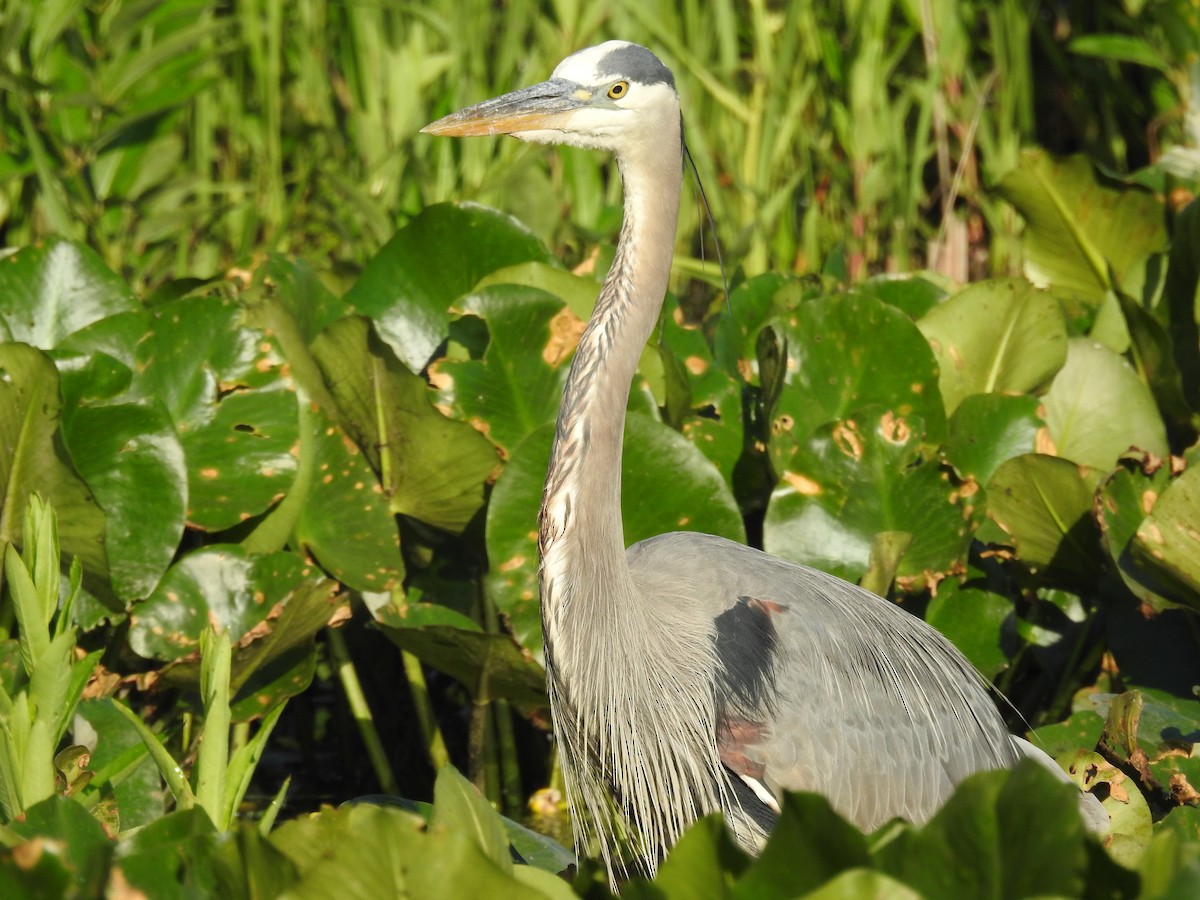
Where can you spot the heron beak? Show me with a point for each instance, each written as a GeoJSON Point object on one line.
{"type": "Point", "coordinates": [540, 107]}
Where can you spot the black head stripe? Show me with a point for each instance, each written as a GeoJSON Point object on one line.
{"type": "Point", "coordinates": [637, 64]}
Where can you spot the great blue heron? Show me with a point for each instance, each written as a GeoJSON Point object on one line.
{"type": "Point", "coordinates": [690, 673]}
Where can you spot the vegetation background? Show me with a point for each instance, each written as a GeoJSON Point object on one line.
{"type": "Point", "coordinates": [275, 404]}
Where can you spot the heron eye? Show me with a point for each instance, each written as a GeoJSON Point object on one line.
{"type": "Point", "coordinates": [617, 91]}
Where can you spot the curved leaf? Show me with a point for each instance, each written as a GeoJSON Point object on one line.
{"type": "Point", "coordinates": [1097, 408]}
{"type": "Point", "coordinates": [408, 286]}
{"type": "Point", "coordinates": [56, 287]}
{"type": "Point", "coordinates": [132, 460]}
{"type": "Point", "coordinates": [517, 384]}
{"type": "Point", "coordinates": [987, 429]}
{"type": "Point", "coordinates": [222, 585]}
{"type": "Point", "coordinates": [1076, 227]}
{"type": "Point", "coordinates": [1044, 504]}
{"type": "Point", "coordinates": [852, 480]}
{"type": "Point", "coordinates": [846, 353]}
{"type": "Point", "coordinates": [431, 467]}
{"type": "Point", "coordinates": [344, 520]}
{"type": "Point", "coordinates": [33, 458]}
{"type": "Point", "coordinates": [1167, 542]}
{"type": "Point", "coordinates": [1000, 336]}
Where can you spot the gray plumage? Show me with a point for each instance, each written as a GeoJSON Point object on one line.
{"type": "Point", "coordinates": [690, 673]}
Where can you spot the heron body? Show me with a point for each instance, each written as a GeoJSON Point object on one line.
{"type": "Point", "coordinates": [689, 673]}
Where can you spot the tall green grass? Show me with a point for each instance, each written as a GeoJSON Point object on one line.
{"type": "Point", "coordinates": [179, 136]}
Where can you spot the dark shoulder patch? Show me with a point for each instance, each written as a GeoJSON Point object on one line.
{"type": "Point", "coordinates": [637, 64]}
{"type": "Point", "coordinates": [746, 646]}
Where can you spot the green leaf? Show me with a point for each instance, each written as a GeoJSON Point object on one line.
{"type": "Point", "coordinates": [517, 384]}
{"type": "Point", "coordinates": [704, 863]}
{"type": "Point", "coordinates": [852, 480]}
{"type": "Point", "coordinates": [706, 406]}
{"type": "Point", "coordinates": [1097, 408]}
{"type": "Point", "coordinates": [1002, 336]}
{"type": "Point", "coordinates": [981, 843]}
{"type": "Point", "coordinates": [56, 287]}
{"type": "Point", "coordinates": [1130, 826]}
{"type": "Point", "coordinates": [134, 777]}
{"type": "Point", "coordinates": [172, 774]}
{"type": "Point", "coordinates": [224, 585]}
{"type": "Point", "coordinates": [1155, 358]}
{"type": "Point", "coordinates": [989, 429]}
{"type": "Point", "coordinates": [242, 765]}
{"type": "Point", "coordinates": [1081, 730]}
{"type": "Point", "coordinates": [809, 845]}
{"type": "Point", "coordinates": [666, 485]}
{"type": "Point", "coordinates": [212, 760]}
{"type": "Point", "coordinates": [1167, 543]}
{"type": "Point", "coordinates": [1044, 505]}
{"type": "Point", "coordinates": [846, 353]}
{"type": "Point", "coordinates": [408, 286]}
{"type": "Point", "coordinates": [1118, 47]}
{"type": "Point", "coordinates": [1076, 227]}
{"type": "Point", "coordinates": [432, 468]}
{"type": "Point", "coordinates": [344, 520]}
{"type": "Point", "coordinates": [974, 619]}
{"type": "Point", "coordinates": [131, 459]}
{"type": "Point", "coordinates": [1124, 499]}
{"type": "Point", "coordinates": [170, 857]}
{"type": "Point", "coordinates": [67, 853]}
{"type": "Point", "coordinates": [227, 388]}
{"type": "Point", "coordinates": [1179, 295]}
{"type": "Point", "coordinates": [489, 666]}
{"type": "Point", "coordinates": [458, 806]}
{"type": "Point", "coordinates": [33, 458]}
{"type": "Point", "coordinates": [915, 294]}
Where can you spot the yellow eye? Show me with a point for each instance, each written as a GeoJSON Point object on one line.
{"type": "Point", "coordinates": [618, 90]}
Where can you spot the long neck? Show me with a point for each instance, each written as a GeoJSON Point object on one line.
{"type": "Point", "coordinates": [581, 542]}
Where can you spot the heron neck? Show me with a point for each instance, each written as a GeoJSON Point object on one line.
{"type": "Point", "coordinates": [581, 538]}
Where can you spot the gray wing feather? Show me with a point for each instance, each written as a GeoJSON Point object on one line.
{"type": "Point", "coordinates": [871, 706]}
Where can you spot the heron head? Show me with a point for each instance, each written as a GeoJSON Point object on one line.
{"type": "Point", "coordinates": [614, 96]}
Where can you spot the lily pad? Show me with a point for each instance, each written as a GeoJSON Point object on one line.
{"type": "Point", "coordinates": [666, 485]}
{"type": "Point", "coordinates": [853, 479]}
{"type": "Point", "coordinates": [1130, 826]}
{"type": "Point", "coordinates": [34, 458]}
{"type": "Point", "coordinates": [1000, 336]}
{"type": "Point", "coordinates": [705, 404]}
{"type": "Point", "coordinates": [517, 384]}
{"type": "Point", "coordinates": [1076, 227]}
{"type": "Point", "coordinates": [408, 286]}
{"type": "Point", "coordinates": [915, 294]}
{"type": "Point", "coordinates": [974, 619]}
{"type": "Point", "coordinates": [1125, 498]}
{"type": "Point", "coordinates": [432, 468]}
{"type": "Point", "coordinates": [56, 287]}
{"type": "Point", "coordinates": [222, 585]}
{"type": "Point", "coordinates": [988, 429]}
{"type": "Point", "coordinates": [344, 520]}
{"type": "Point", "coordinates": [1044, 505]}
{"type": "Point", "coordinates": [846, 353]}
{"type": "Point", "coordinates": [1167, 542]}
{"type": "Point", "coordinates": [1097, 408]}
{"type": "Point", "coordinates": [228, 391]}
